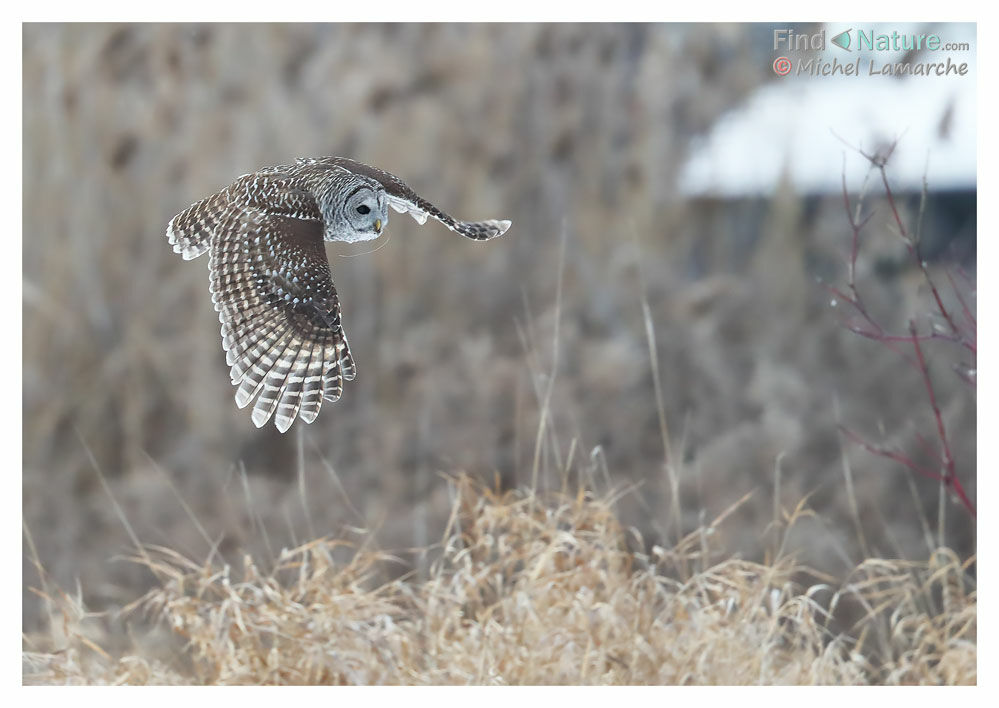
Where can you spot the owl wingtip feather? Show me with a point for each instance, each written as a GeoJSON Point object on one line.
{"type": "Point", "coordinates": [283, 423]}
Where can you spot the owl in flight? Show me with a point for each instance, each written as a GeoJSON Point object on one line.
{"type": "Point", "coordinates": [270, 279]}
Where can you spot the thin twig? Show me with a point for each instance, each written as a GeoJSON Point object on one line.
{"type": "Point", "coordinates": [961, 333]}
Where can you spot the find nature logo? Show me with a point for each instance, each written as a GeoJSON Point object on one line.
{"type": "Point", "coordinates": [874, 44]}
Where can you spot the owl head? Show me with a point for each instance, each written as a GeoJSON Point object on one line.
{"type": "Point", "coordinates": [355, 209]}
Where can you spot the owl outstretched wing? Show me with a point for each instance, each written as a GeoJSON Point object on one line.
{"type": "Point", "coordinates": [272, 287]}
{"type": "Point", "coordinates": [403, 200]}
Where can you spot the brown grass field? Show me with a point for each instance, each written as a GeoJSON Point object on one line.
{"type": "Point", "coordinates": [532, 591]}
{"type": "Point", "coordinates": [622, 444]}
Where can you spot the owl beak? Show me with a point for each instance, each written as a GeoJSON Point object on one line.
{"type": "Point", "coordinates": [378, 225]}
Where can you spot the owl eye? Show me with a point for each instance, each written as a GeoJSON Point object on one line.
{"type": "Point", "coordinates": [363, 209]}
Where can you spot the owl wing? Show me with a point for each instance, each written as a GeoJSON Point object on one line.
{"type": "Point", "coordinates": [403, 199]}
{"type": "Point", "coordinates": [190, 232]}
{"type": "Point", "coordinates": [280, 315]}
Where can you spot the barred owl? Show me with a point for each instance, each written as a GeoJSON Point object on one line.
{"type": "Point", "coordinates": [270, 279]}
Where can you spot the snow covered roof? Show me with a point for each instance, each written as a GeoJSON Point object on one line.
{"type": "Point", "coordinates": [797, 125]}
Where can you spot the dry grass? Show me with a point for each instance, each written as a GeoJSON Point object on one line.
{"type": "Point", "coordinates": [532, 591]}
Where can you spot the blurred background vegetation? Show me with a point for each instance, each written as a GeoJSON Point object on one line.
{"type": "Point", "coordinates": [576, 134]}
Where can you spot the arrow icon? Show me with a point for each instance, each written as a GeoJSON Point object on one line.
{"type": "Point", "coordinates": [842, 40]}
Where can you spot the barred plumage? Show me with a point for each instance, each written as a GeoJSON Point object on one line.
{"type": "Point", "coordinates": [270, 278]}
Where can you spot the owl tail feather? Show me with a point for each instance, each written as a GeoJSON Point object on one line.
{"type": "Point", "coordinates": [190, 232]}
